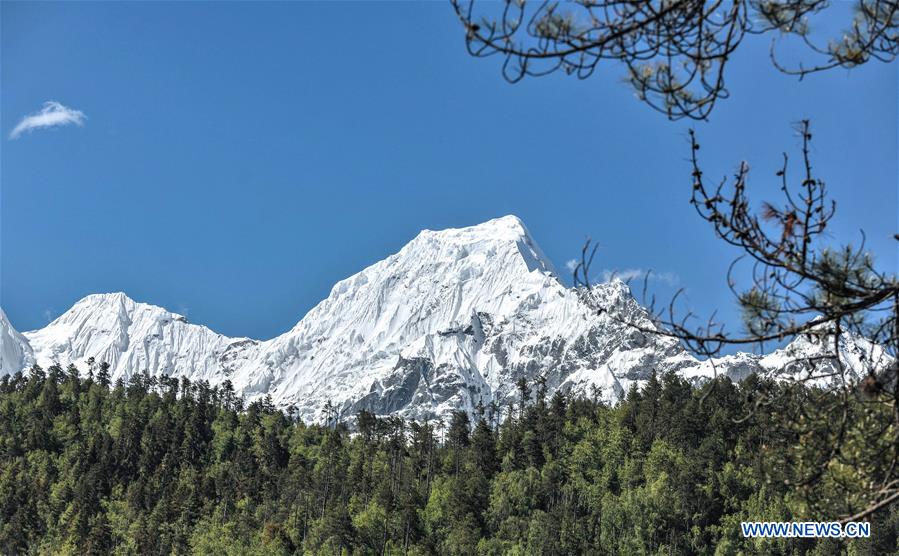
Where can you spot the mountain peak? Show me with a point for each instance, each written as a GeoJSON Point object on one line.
{"type": "Point", "coordinates": [101, 298]}
{"type": "Point", "coordinates": [490, 239]}
{"type": "Point", "coordinates": [509, 226]}
{"type": "Point", "coordinates": [115, 303]}
{"type": "Point", "coordinates": [616, 286]}
{"type": "Point", "coordinates": [108, 309]}
{"type": "Point", "coordinates": [132, 337]}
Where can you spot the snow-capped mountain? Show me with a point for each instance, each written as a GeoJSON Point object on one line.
{"type": "Point", "coordinates": [452, 320]}
{"type": "Point", "coordinates": [135, 337]}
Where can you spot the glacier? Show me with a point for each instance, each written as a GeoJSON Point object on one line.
{"type": "Point", "coordinates": [450, 322]}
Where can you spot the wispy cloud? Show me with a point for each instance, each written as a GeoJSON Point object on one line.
{"type": "Point", "coordinates": [571, 264]}
{"type": "Point", "coordinates": [667, 278]}
{"type": "Point", "coordinates": [53, 114]}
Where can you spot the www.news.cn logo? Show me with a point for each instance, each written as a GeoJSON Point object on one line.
{"type": "Point", "coordinates": [806, 529]}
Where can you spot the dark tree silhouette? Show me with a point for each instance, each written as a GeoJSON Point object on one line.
{"type": "Point", "coordinates": [675, 51]}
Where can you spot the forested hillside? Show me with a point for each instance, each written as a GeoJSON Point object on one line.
{"type": "Point", "coordinates": [167, 466]}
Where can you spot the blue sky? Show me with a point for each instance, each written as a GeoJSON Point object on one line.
{"type": "Point", "coordinates": [235, 160]}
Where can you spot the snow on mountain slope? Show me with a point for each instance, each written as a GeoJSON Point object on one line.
{"type": "Point", "coordinates": [809, 358]}
{"type": "Point", "coordinates": [135, 337]}
{"type": "Point", "coordinates": [15, 351]}
{"type": "Point", "coordinates": [451, 321]}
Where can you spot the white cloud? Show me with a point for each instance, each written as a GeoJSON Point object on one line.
{"type": "Point", "coordinates": [623, 275]}
{"type": "Point", "coordinates": [668, 278]}
{"type": "Point", "coordinates": [571, 264]}
{"type": "Point", "coordinates": [53, 114]}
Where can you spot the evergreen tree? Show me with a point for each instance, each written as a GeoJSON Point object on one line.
{"type": "Point", "coordinates": [171, 466]}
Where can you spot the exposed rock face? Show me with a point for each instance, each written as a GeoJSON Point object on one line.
{"type": "Point", "coordinates": [452, 320]}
